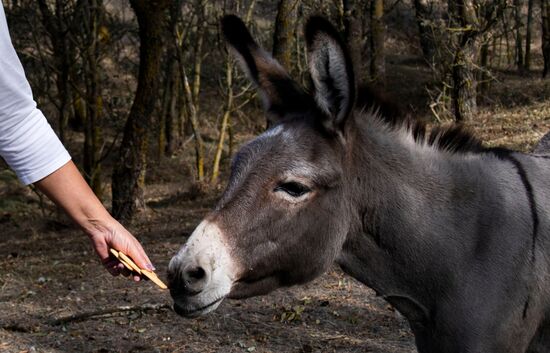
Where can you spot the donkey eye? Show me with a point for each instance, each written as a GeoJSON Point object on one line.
{"type": "Point", "coordinates": [293, 188]}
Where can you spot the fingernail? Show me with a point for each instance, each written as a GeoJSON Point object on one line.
{"type": "Point", "coordinates": [150, 267]}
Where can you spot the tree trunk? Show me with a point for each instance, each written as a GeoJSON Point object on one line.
{"type": "Point", "coordinates": [425, 29]}
{"type": "Point", "coordinates": [528, 34]}
{"type": "Point", "coordinates": [545, 11]}
{"type": "Point", "coordinates": [464, 83]}
{"type": "Point", "coordinates": [165, 106]}
{"type": "Point", "coordinates": [171, 122]}
{"type": "Point", "coordinates": [197, 60]}
{"type": "Point", "coordinates": [507, 30]}
{"type": "Point", "coordinates": [463, 92]}
{"type": "Point", "coordinates": [57, 25]}
{"type": "Point", "coordinates": [282, 35]}
{"type": "Point", "coordinates": [519, 40]}
{"type": "Point", "coordinates": [93, 103]}
{"type": "Point", "coordinates": [299, 46]}
{"type": "Point", "coordinates": [354, 13]}
{"type": "Point", "coordinates": [377, 58]}
{"type": "Point", "coordinates": [129, 173]}
{"type": "Point", "coordinates": [484, 66]}
{"type": "Point", "coordinates": [497, 50]}
{"type": "Point", "coordinates": [250, 12]}
{"type": "Point", "coordinates": [165, 127]}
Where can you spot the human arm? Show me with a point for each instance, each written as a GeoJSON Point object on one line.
{"type": "Point", "coordinates": [67, 188]}
{"type": "Point", "coordinates": [33, 151]}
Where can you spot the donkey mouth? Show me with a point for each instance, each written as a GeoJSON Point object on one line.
{"type": "Point", "coordinates": [192, 312]}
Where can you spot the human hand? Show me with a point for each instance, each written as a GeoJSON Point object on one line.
{"type": "Point", "coordinates": [106, 234]}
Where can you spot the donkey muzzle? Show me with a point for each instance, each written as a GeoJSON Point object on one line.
{"type": "Point", "coordinates": [201, 274]}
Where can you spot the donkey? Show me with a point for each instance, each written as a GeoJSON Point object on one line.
{"type": "Point", "coordinates": [453, 235]}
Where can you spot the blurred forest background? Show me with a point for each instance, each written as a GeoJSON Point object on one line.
{"type": "Point", "coordinates": [139, 90]}
{"type": "Point", "coordinates": [152, 107]}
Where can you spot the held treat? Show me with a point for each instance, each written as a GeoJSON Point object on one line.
{"type": "Point", "coordinates": [130, 264]}
{"type": "Point", "coordinates": [129, 261]}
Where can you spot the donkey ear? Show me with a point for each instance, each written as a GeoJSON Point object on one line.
{"type": "Point", "coordinates": [331, 71]}
{"type": "Point", "coordinates": [280, 94]}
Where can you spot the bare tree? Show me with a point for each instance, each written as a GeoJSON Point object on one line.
{"type": "Point", "coordinates": [484, 65]}
{"type": "Point", "coordinates": [545, 11]}
{"type": "Point", "coordinates": [168, 125]}
{"type": "Point", "coordinates": [225, 119]}
{"type": "Point", "coordinates": [91, 99]}
{"type": "Point", "coordinates": [354, 13]}
{"type": "Point", "coordinates": [59, 24]}
{"type": "Point", "coordinates": [377, 39]}
{"type": "Point", "coordinates": [468, 28]}
{"type": "Point", "coordinates": [192, 89]}
{"type": "Point", "coordinates": [424, 18]}
{"type": "Point", "coordinates": [229, 107]}
{"type": "Point", "coordinates": [129, 173]}
{"type": "Point", "coordinates": [75, 30]}
{"type": "Point", "coordinates": [528, 34]}
{"type": "Point", "coordinates": [464, 19]}
{"type": "Point", "coordinates": [519, 40]}
{"type": "Point", "coordinates": [283, 33]}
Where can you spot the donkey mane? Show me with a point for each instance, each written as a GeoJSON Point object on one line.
{"type": "Point", "coordinates": [452, 138]}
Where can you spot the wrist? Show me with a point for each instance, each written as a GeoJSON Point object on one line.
{"type": "Point", "coordinates": [97, 225]}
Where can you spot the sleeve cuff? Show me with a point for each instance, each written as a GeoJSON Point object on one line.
{"type": "Point", "coordinates": [46, 170]}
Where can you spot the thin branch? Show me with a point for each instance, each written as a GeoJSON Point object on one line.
{"type": "Point", "coordinates": [110, 312]}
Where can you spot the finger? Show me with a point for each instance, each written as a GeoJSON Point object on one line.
{"type": "Point", "coordinates": [113, 271]}
{"type": "Point", "coordinates": [112, 265]}
{"type": "Point", "coordinates": [131, 247]}
{"type": "Point", "coordinates": [136, 252]}
{"type": "Point", "coordinates": [126, 272]}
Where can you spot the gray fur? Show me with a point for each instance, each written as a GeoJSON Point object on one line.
{"type": "Point", "coordinates": [456, 239]}
{"type": "Point", "coordinates": [326, 50]}
{"type": "Point", "coordinates": [543, 147]}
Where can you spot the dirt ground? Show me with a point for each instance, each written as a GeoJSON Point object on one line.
{"type": "Point", "coordinates": [55, 297]}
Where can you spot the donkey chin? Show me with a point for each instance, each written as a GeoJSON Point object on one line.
{"type": "Point", "coordinates": [201, 274]}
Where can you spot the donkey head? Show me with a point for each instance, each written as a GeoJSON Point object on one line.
{"type": "Point", "coordinates": [283, 217]}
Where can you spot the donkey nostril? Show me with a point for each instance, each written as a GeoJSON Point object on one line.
{"type": "Point", "coordinates": [196, 273]}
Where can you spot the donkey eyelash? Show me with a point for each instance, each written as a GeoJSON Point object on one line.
{"type": "Point", "coordinates": [292, 188]}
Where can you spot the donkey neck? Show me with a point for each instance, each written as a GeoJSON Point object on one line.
{"type": "Point", "coordinates": [411, 204]}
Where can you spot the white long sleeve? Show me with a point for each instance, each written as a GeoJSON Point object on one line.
{"type": "Point", "coordinates": [27, 142]}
